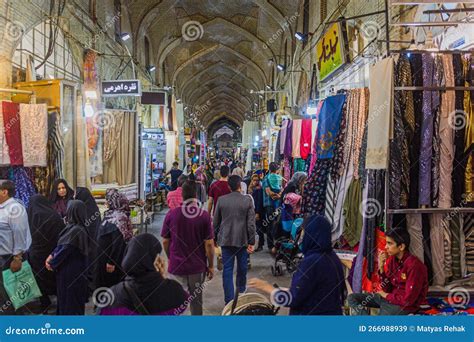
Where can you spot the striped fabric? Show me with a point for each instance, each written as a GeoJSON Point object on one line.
{"type": "Point", "coordinates": [469, 236]}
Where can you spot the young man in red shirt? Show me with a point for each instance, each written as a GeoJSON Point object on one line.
{"type": "Point", "coordinates": [404, 280]}
{"type": "Point", "coordinates": [218, 189]}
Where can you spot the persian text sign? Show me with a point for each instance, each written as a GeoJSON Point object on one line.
{"type": "Point", "coordinates": [330, 54]}
{"type": "Point", "coordinates": [121, 88]}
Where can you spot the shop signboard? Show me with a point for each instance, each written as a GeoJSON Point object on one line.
{"type": "Point", "coordinates": [330, 51]}
{"type": "Point", "coordinates": [121, 88]}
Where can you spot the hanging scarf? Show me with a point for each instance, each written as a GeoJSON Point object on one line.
{"type": "Point", "coordinates": [329, 124]}
{"type": "Point", "coordinates": [118, 212]}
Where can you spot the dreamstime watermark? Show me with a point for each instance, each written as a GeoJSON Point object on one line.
{"type": "Point", "coordinates": [370, 208]}
{"type": "Point", "coordinates": [202, 109]}
{"type": "Point", "coordinates": [281, 113]}
{"type": "Point", "coordinates": [466, 198]}
{"type": "Point", "coordinates": [103, 119]}
{"type": "Point", "coordinates": [370, 30]}
{"type": "Point", "coordinates": [46, 330]}
{"type": "Point", "coordinates": [192, 208]}
{"type": "Point", "coordinates": [15, 210]}
{"type": "Point", "coordinates": [277, 34]}
{"type": "Point", "coordinates": [457, 120]}
{"type": "Point", "coordinates": [281, 297]}
{"type": "Point", "coordinates": [199, 289]}
{"type": "Point", "coordinates": [20, 293]}
{"type": "Point", "coordinates": [459, 297]}
{"type": "Point", "coordinates": [103, 297]}
{"type": "Point", "coordinates": [192, 30]}
{"type": "Point", "coordinates": [14, 30]}
{"type": "Point", "coordinates": [273, 216]}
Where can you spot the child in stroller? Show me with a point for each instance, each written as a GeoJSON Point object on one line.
{"type": "Point", "coordinates": [288, 247]}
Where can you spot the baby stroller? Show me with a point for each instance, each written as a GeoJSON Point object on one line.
{"type": "Point", "coordinates": [249, 304]}
{"type": "Point", "coordinates": [288, 248]}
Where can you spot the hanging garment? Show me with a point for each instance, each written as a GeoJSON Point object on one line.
{"type": "Point", "coordinates": [341, 190]}
{"type": "Point", "coordinates": [374, 215]}
{"type": "Point", "coordinates": [404, 122]}
{"type": "Point", "coordinates": [363, 154]}
{"type": "Point", "coordinates": [416, 64]}
{"type": "Point", "coordinates": [380, 114]}
{"type": "Point", "coordinates": [469, 238]}
{"type": "Point", "coordinates": [446, 134]}
{"type": "Point", "coordinates": [468, 64]}
{"type": "Point", "coordinates": [289, 140]}
{"type": "Point", "coordinates": [12, 125]}
{"type": "Point", "coordinates": [437, 248]}
{"type": "Point", "coordinates": [430, 103]}
{"type": "Point", "coordinates": [4, 156]}
{"type": "Point", "coordinates": [459, 169]}
{"type": "Point", "coordinates": [360, 260]}
{"type": "Point", "coordinates": [34, 134]}
{"type": "Point", "coordinates": [331, 201]}
{"type": "Point", "coordinates": [284, 126]}
{"type": "Point", "coordinates": [277, 153]}
{"type": "Point", "coordinates": [305, 148]}
{"type": "Point", "coordinates": [314, 196]}
{"type": "Point", "coordinates": [299, 165]}
{"type": "Point", "coordinates": [457, 244]}
{"type": "Point", "coordinates": [448, 258]}
{"type": "Point", "coordinates": [362, 114]}
{"type": "Point", "coordinates": [352, 213]}
{"type": "Point", "coordinates": [426, 228]}
{"type": "Point", "coordinates": [296, 138]}
{"type": "Point", "coordinates": [24, 188]}
{"type": "Point", "coordinates": [329, 124]}
{"type": "Point", "coordinates": [435, 160]}
{"type": "Point", "coordinates": [338, 166]}
{"type": "Point", "coordinates": [286, 169]}
{"type": "Point", "coordinates": [415, 230]}
{"type": "Point", "coordinates": [314, 134]}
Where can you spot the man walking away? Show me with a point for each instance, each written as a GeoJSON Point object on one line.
{"type": "Point", "coordinates": [188, 240]}
{"type": "Point", "coordinates": [234, 223]}
{"type": "Point", "coordinates": [218, 189]}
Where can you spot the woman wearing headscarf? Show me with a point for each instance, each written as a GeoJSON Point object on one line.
{"type": "Point", "coordinates": [200, 179]}
{"type": "Point", "coordinates": [92, 226]}
{"type": "Point", "coordinates": [291, 206]}
{"type": "Point", "coordinates": [114, 233]}
{"type": "Point", "coordinates": [69, 261]}
{"type": "Point", "coordinates": [145, 289]}
{"type": "Point", "coordinates": [61, 194]}
{"type": "Point", "coordinates": [318, 285]}
{"type": "Point", "coordinates": [255, 189]}
{"type": "Point", "coordinates": [45, 227]}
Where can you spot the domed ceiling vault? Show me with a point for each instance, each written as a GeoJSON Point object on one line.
{"type": "Point", "coordinates": [214, 52]}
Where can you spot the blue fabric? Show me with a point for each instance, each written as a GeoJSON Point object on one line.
{"type": "Point", "coordinates": [329, 124]}
{"type": "Point", "coordinates": [229, 254]}
{"type": "Point", "coordinates": [318, 286]}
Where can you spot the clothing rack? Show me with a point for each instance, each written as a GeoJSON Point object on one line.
{"type": "Point", "coordinates": [431, 210]}
{"type": "Point", "coordinates": [415, 88]}
{"type": "Point", "coordinates": [444, 52]}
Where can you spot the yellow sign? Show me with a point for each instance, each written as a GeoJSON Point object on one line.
{"type": "Point", "coordinates": [330, 54]}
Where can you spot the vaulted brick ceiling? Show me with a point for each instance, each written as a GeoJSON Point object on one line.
{"type": "Point", "coordinates": [215, 51]}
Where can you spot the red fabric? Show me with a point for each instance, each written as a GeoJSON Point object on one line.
{"type": "Point", "coordinates": [405, 281]}
{"type": "Point", "coordinates": [305, 141]}
{"type": "Point", "coordinates": [11, 122]}
{"type": "Point", "coordinates": [373, 284]}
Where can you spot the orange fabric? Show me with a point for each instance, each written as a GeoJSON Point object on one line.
{"type": "Point", "coordinates": [373, 284]}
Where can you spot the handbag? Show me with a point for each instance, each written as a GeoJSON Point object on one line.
{"type": "Point", "coordinates": [21, 286]}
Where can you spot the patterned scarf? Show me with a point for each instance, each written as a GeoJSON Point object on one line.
{"type": "Point", "coordinates": [118, 212]}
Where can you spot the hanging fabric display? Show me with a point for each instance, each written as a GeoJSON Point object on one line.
{"type": "Point", "coordinates": [4, 153]}
{"type": "Point", "coordinates": [112, 133]}
{"type": "Point", "coordinates": [296, 138]}
{"type": "Point", "coordinates": [34, 134]}
{"type": "Point", "coordinates": [12, 126]}
{"type": "Point", "coordinates": [305, 144]}
{"type": "Point", "coordinates": [289, 140]}
{"type": "Point", "coordinates": [380, 114]}
{"type": "Point", "coordinates": [328, 125]}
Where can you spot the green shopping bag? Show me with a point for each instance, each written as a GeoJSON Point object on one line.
{"type": "Point", "coordinates": [21, 286]}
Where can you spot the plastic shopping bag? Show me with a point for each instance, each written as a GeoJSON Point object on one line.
{"type": "Point", "coordinates": [21, 286]}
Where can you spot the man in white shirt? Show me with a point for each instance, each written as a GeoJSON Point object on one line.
{"type": "Point", "coordinates": [15, 238]}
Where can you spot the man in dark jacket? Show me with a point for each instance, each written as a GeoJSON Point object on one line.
{"type": "Point", "coordinates": [234, 224]}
